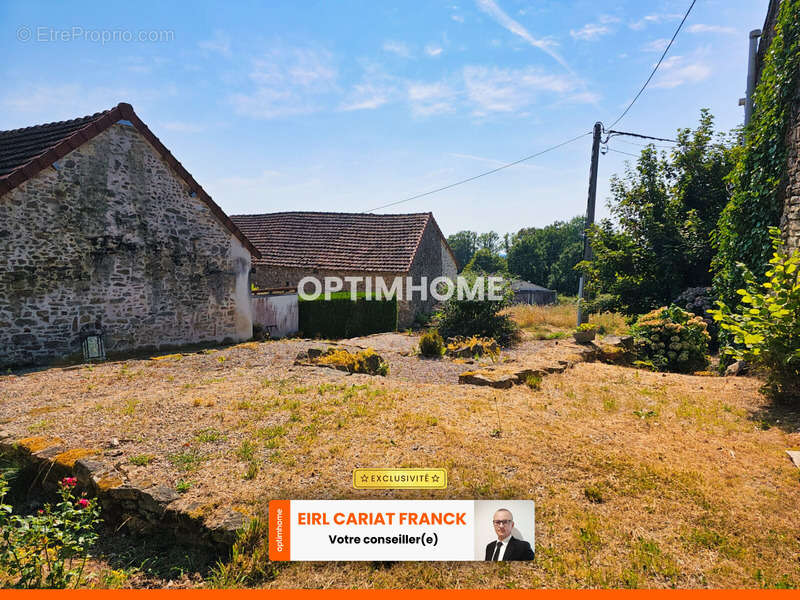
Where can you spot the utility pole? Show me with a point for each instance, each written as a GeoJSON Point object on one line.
{"type": "Point", "coordinates": [590, 204]}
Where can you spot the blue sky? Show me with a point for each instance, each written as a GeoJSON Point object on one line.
{"type": "Point", "coordinates": [346, 106]}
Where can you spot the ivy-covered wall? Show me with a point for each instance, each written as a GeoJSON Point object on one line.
{"type": "Point", "coordinates": [766, 179]}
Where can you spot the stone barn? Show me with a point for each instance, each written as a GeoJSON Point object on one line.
{"type": "Point", "coordinates": [294, 245]}
{"type": "Point", "coordinates": [103, 232]}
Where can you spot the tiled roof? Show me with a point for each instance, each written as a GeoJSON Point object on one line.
{"type": "Point", "coordinates": [336, 241]}
{"type": "Point", "coordinates": [19, 146]}
{"type": "Point", "coordinates": [27, 151]}
{"type": "Point", "coordinates": [520, 285]}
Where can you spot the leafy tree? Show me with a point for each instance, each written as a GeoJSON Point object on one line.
{"type": "Point", "coordinates": [487, 261]}
{"type": "Point", "coordinates": [548, 255]}
{"type": "Point", "coordinates": [489, 241]}
{"type": "Point", "coordinates": [563, 275]}
{"type": "Point", "coordinates": [666, 208]}
{"type": "Point", "coordinates": [463, 244]}
{"type": "Point", "coordinates": [484, 318]}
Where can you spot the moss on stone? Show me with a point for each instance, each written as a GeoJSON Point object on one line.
{"type": "Point", "coordinates": [68, 458]}
{"type": "Point", "coordinates": [38, 443]}
{"type": "Point", "coordinates": [108, 482]}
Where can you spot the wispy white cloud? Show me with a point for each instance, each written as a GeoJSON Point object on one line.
{"type": "Point", "coordinates": [700, 28]}
{"type": "Point", "coordinates": [397, 48]}
{"type": "Point", "coordinates": [220, 43]}
{"type": "Point", "coordinates": [433, 50]}
{"type": "Point", "coordinates": [590, 32]}
{"type": "Point", "coordinates": [655, 45]}
{"type": "Point", "coordinates": [52, 101]}
{"type": "Point", "coordinates": [496, 90]}
{"type": "Point", "coordinates": [681, 70]}
{"type": "Point", "coordinates": [584, 97]}
{"type": "Point", "coordinates": [493, 161]}
{"type": "Point", "coordinates": [498, 14]}
{"type": "Point", "coordinates": [652, 19]}
{"type": "Point", "coordinates": [367, 96]}
{"type": "Point", "coordinates": [457, 18]}
{"type": "Point", "coordinates": [287, 81]}
{"type": "Point", "coordinates": [183, 126]}
{"type": "Point", "coordinates": [430, 98]}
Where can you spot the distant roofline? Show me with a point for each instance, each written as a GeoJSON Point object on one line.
{"type": "Point", "coordinates": [428, 214]}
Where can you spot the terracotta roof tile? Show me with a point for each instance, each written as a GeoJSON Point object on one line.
{"type": "Point", "coordinates": [19, 146]}
{"type": "Point", "coordinates": [336, 241]}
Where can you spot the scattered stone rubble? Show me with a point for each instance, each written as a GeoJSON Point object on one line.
{"type": "Point", "coordinates": [366, 361]}
{"type": "Point", "coordinates": [556, 359]}
{"type": "Point", "coordinates": [460, 347]}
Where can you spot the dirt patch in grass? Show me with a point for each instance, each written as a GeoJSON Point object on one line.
{"type": "Point", "coordinates": [641, 479]}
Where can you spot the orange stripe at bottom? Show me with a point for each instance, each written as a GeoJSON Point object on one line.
{"type": "Point", "coordinates": [279, 521]}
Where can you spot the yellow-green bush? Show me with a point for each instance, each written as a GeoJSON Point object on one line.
{"type": "Point", "coordinates": [431, 344]}
{"type": "Point", "coordinates": [766, 327]}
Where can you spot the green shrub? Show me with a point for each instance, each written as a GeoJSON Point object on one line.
{"type": "Point", "coordinates": [671, 339]}
{"type": "Point", "coordinates": [431, 344]}
{"type": "Point", "coordinates": [50, 548]}
{"type": "Point", "coordinates": [341, 317]}
{"type": "Point", "coordinates": [602, 303]}
{"type": "Point", "coordinates": [482, 318]}
{"type": "Point", "coordinates": [767, 333]}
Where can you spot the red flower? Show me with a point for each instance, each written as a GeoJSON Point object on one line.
{"type": "Point", "coordinates": [83, 503]}
{"type": "Point", "coordinates": [40, 512]}
{"type": "Point", "coordinates": [69, 482]}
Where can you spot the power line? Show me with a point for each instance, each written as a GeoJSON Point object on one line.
{"type": "Point", "coordinates": [658, 64]}
{"type": "Point", "coordinates": [644, 145]}
{"type": "Point", "coordinates": [621, 152]}
{"type": "Point", "coordinates": [569, 141]}
{"type": "Point", "coordinates": [611, 133]}
{"type": "Point", "coordinates": [474, 177]}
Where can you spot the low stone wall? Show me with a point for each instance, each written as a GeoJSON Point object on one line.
{"type": "Point", "coordinates": [142, 507]}
{"type": "Point", "coordinates": [559, 358]}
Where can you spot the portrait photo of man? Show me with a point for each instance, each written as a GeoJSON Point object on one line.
{"type": "Point", "coordinates": [506, 546]}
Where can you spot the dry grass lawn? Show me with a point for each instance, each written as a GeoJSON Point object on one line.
{"type": "Point", "coordinates": [553, 321]}
{"type": "Point", "coordinates": [640, 479]}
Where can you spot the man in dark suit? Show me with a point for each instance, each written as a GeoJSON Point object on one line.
{"type": "Point", "coordinates": [507, 547]}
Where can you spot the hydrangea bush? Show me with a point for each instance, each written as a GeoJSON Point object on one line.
{"type": "Point", "coordinates": [671, 339]}
{"type": "Point", "coordinates": [700, 300]}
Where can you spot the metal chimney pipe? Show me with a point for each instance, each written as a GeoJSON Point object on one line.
{"type": "Point", "coordinates": [751, 75]}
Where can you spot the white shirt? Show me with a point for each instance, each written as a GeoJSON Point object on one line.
{"type": "Point", "coordinates": [503, 547]}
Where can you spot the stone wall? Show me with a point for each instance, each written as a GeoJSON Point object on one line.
{"type": "Point", "coordinates": [111, 240]}
{"type": "Point", "coordinates": [432, 260]}
{"type": "Point", "coordinates": [790, 220]}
